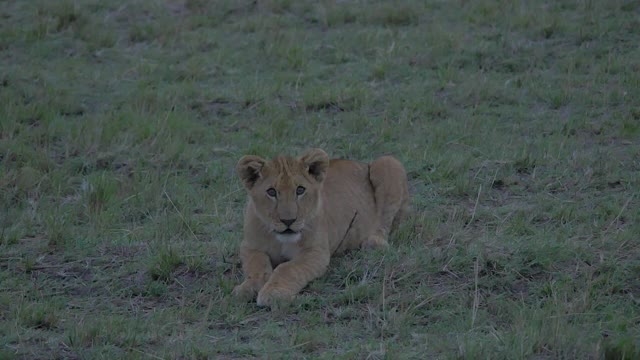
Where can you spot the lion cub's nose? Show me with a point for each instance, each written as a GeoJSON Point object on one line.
{"type": "Point", "coordinates": [288, 222]}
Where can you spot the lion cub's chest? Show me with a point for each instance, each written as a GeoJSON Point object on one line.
{"type": "Point", "coordinates": [289, 250]}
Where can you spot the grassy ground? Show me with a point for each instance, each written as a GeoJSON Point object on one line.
{"type": "Point", "coordinates": [120, 217]}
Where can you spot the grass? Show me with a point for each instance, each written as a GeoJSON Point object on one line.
{"type": "Point", "coordinates": [518, 122]}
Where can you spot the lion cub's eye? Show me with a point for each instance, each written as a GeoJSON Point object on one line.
{"type": "Point", "coordinates": [300, 190]}
{"type": "Point", "coordinates": [271, 192]}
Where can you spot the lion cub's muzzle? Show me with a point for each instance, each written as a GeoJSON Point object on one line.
{"type": "Point", "coordinates": [288, 235]}
{"type": "Point", "coordinates": [288, 230]}
{"type": "Point", "coordinates": [288, 226]}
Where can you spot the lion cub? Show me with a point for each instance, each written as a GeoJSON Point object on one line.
{"type": "Point", "coordinates": [301, 211]}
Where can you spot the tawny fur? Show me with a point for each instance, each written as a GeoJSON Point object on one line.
{"type": "Point", "coordinates": [345, 205]}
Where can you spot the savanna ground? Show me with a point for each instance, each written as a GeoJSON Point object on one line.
{"type": "Point", "coordinates": [518, 122]}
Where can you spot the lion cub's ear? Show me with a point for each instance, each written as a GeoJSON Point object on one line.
{"type": "Point", "coordinates": [317, 162]}
{"type": "Point", "coordinates": [248, 169]}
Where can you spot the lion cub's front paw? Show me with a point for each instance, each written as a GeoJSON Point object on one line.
{"type": "Point", "coordinates": [245, 291]}
{"type": "Point", "coordinates": [270, 296]}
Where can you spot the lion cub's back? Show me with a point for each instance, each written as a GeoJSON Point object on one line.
{"type": "Point", "coordinates": [347, 191]}
{"type": "Point", "coordinates": [348, 178]}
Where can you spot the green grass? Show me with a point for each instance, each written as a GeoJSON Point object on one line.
{"type": "Point", "coordinates": [120, 216]}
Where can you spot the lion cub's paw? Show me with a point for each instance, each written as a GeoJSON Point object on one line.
{"type": "Point", "coordinates": [376, 241]}
{"type": "Point", "coordinates": [244, 291]}
{"type": "Point", "coordinates": [272, 297]}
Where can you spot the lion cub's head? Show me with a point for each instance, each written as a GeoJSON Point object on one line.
{"type": "Point", "coordinates": [285, 191]}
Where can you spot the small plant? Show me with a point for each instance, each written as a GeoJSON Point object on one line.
{"type": "Point", "coordinates": [38, 316]}
{"type": "Point", "coordinates": [163, 263]}
{"type": "Point", "coordinates": [57, 228]}
{"type": "Point", "coordinates": [99, 190]}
